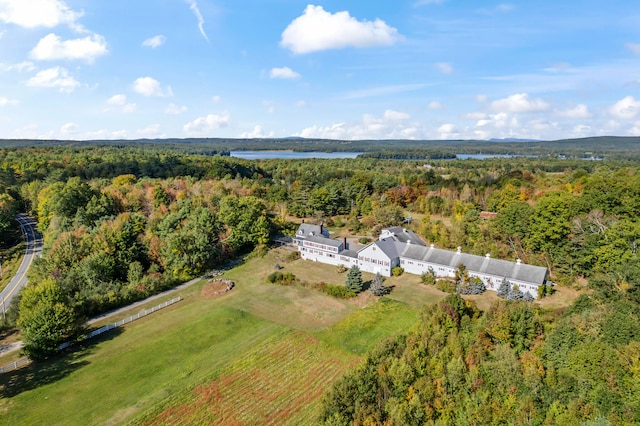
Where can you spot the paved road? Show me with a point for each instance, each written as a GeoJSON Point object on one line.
{"type": "Point", "coordinates": [34, 248]}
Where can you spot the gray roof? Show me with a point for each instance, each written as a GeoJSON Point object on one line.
{"type": "Point", "coordinates": [349, 253]}
{"type": "Point", "coordinates": [388, 246]}
{"type": "Point", "coordinates": [306, 230]}
{"type": "Point", "coordinates": [324, 240]}
{"type": "Point", "coordinates": [473, 263]}
{"type": "Point", "coordinates": [403, 235]}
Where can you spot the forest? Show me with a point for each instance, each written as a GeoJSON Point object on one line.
{"type": "Point", "coordinates": [122, 222]}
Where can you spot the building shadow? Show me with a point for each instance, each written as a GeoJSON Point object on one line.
{"type": "Point", "coordinates": [52, 369]}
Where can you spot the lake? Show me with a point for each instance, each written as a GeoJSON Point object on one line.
{"type": "Point", "coordinates": [266, 155]}
{"type": "Point", "coordinates": [485, 156]}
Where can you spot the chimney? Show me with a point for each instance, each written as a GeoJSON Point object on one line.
{"type": "Point", "coordinates": [345, 243]}
{"type": "Point", "coordinates": [302, 220]}
{"type": "Point", "coordinates": [432, 245]}
{"type": "Point", "coordinates": [408, 242]}
{"type": "Point", "coordinates": [488, 255]}
{"type": "Point", "coordinates": [459, 250]}
{"type": "Point", "coordinates": [518, 261]}
{"type": "Point", "coordinates": [321, 228]}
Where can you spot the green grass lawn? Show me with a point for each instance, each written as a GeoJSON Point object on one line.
{"type": "Point", "coordinates": [262, 345]}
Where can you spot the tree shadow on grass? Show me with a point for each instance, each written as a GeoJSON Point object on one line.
{"type": "Point", "coordinates": [52, 369]}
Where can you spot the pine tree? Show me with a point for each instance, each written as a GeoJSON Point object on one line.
{"type": "Point", "coordinates": [515, 294]}
{"type": "Point", "coordinates": [504, 289]}
{"type": "Point", "coordinates": [354, 280]}
{"type": "Point", "coordinates": [377, 286]}
{"type": "Point", "coordinates": [528, 297]}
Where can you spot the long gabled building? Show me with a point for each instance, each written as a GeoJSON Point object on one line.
{"type": "Point", "coordinates": [397, 246]}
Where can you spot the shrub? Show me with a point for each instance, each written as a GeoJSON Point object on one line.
{"type": "Point", "coordinates": [278, 277]}
{"type": "Point", "coordinates": [397, 271]}
{"type": "Point", "coordinates": [294, 255]}
{"type": "Point", "coordinates": [342, 269]}
{"type": "Point", "coordinates": [428, 277]}
{"type": "Point", "coordinates": [364, 240]}
{"type": "Point", "coordinates": [447, 286]}
{"type": "Point", "coordinates": [338, 291]}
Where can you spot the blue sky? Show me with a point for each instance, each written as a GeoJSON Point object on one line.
{"type": "Point", "coordinates": [417, 69]}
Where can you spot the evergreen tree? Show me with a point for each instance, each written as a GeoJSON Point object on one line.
{"type": "Point", "coordinates": [377, 286]}
{"type": "Point", "coordinates": [528, 297]}
{"type": "Point", "coordinates": [354, 280]}
{"type": "Point", "coordinates": [515, 293]}
{"type": "Point", "coordinates": [504, 289]}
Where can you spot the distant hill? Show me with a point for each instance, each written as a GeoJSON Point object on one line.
{"type": "Point", "coordinates": [513, 140]}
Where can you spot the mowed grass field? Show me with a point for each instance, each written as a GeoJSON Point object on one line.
{"type": "Point", "coordinates": [261, 354]}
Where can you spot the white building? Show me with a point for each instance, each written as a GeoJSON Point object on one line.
{"type": "Point", "coordinates": [401, 247]}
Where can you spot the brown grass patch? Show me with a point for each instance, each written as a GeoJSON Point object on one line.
{"type": "Point", "coordinates": [281, 382]}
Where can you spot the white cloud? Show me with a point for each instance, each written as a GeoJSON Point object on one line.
{"type": "Point", "coordinates": [481, 98]}
{"type": "Point", "coordinates": [129, 108]}
{"type": "Point", "coordinates": [154, 42]}
{"type": "Point", "coordinates": [318, 30]}
{"type": "Point", "coordinates": [56, 77]}
{"type": "Point", "coordinates": [498, 125]}
{"type": "Point", "coordinates": [256, 133]}
{"type": "Point", "coordinates": [635, 130]}
{"type": "Point", "coordinates": [121, 100]}
{"type": "Point", "coordinates": [151, 132]}
{"type": "Point", "coordinates": [519, 102]}
{"type": "Point", "coordinates": [625, 108]}
{"type": "Point", "coordinates": [392, 115]}
{"type": "Point", "coordinates": [52, 47]}
{"type": "Point", "coordinates": [284, 72]}
{"type": "Point", "coordinates": [444, 67]}
{"type": "Point", "coordinates": [6, 101]}
{"type": "Point", "coordinates": [22, 66]}
{"type": "Point", "coordinates": [148, 86]}
{"type": "Point", "coordinates": [203, 126]}
{"type": "Point", "coordinates": [196, 11]}
{"type": "Point", "coordinates": [634, 47]}
{"type": "Point", "coordinates": [37, 13]}
{"type": "Point", "coordinates": [448, 131]}
{"type": "Point", "coordinates": [69, 128]}
{"type": "Point", "coordinates": [476, 116]}
{"type": "Point", "coordinates": [435, 105]}
{"type": "Point", "coordinates": [216, 99]}
{"type": "Point", "coordinates": [117, 100]}
{"type": "Point", "coordinates": [391, 125]}
{"type": "Point", "coordinates": [301, 103]}
{"type": "Point", "coordinates": [174, 109]}
{"type": "Point", "coordinates": [579, 111]}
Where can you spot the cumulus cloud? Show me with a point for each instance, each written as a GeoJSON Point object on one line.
{"type": "Point", "coordinates": [520, 102]}
{"type": "Point", "coordinates": [4, 101]}
{"type": "Point", "coordinates": [579, 111]}
{"type": "Point", "coordinates": [435, 105]}
{"type": "Point", "coordinates": [501, 124]}
{"type": "Point", "coordinates": [444, 67]}
{"type": "Point", "coordinates": [284, 73]}
{"type": "Point", "coordinates": [22, 66]}
{"type": "Point", "coordinates": [154, 42]}
{"type": "Point", "coordinates": [52, 47]}
{"type": "Point", "coordinates": [37, 13]}
{"type": "Point", "coordinates": [391, 125]}
{"type": "Point", "coordinates": [391, 115]}
{"type": "Point", "coordinates": [448, 131]}
{"type": "Point", "coordinates": [121, 101]}
{"type": "Point", "coordinates": [196, 11]}
{"type": "Point", "coordinates": [256, 133]}
{"type": "Point", "coordinates": [626, 108]}
{"type": "Point", "coordinates": [203, 126]}
{"type": "Point", "coordinates": [151, 132]}
{"type": "Point", "coordinates": [634, 47]}
{"type": "Point", "coordinates": [56, 77]}
{"type": "Point", "coordinates": [173, 109]}
{"type": "Point", "coordinates": [318, 30]}
{"type": "Point", "coordinates": [148, 86]}
{"type": "Point", "coordinates": [117, 100]}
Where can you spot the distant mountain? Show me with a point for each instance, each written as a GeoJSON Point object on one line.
{"type": "Point", "coordinates": [514, 140]}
